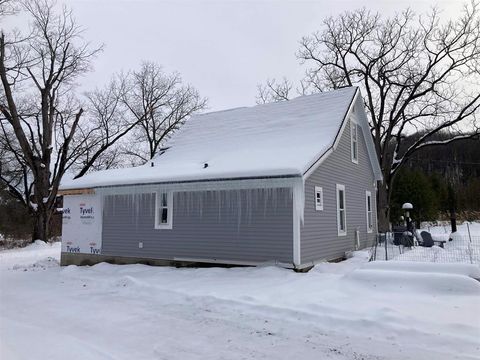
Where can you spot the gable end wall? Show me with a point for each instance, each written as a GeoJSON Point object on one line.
{"type": "Point", "coordinates": [318, 235]}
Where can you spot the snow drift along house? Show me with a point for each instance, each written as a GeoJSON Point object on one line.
{"type": "Point", "coordinates": [291, 183]}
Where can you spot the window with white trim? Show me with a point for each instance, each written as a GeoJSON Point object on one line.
{"type": "Point", "coordinates": [354, 141]}
{"type": "Point", "coordinates": [368, 205]}
{"type": "Point", "coordinates": [163, 210]}
{"type": "Point", "coordinates": [318, 198]}
{"type": "Point", "coordinates": [341, 211]}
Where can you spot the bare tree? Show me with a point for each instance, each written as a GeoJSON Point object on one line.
{"type": "Point", "coordinates": [44, 131]}
{"type": "Point", "coordinates": [98, 143]}
{"type": "Point", "coordinates": [160, 103]}
{"type": "Point", "coordinates": [417, 74]}
{"type": "Point", "coordinates": [12, 166]}
{"type": "Point", "coordinates": [40, 115]}
{"type": "Point", "coordinates": [8, 7]}
{"type": "Point", "coordinates": [144, 107]}
{"type": "Point", "coordinates": [273, 91]}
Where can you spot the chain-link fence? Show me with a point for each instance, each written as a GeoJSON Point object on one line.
{"type": "Point", "coordinates": [423, 246]}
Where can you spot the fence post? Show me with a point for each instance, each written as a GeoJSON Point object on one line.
{"type": "Point", "coordinates": [469, 244]}
{"type": "Point", "coordinates": [386, 252]}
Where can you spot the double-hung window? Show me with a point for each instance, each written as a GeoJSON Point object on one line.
{"type": "Point", "coordinates": [318, 198]}
{"type": "Point", "coordinates": [354, 141]}
{"type": "Point", "coordinates": [341, 211]}
{"type": "Point", "coordinates": [163, 210]}
{"type": "Point", "coordinates": [368, 205]}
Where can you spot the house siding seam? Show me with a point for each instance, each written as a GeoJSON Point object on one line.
{"type": "Point", "coordinates": [318, 235]}
{"type": "Point", "coordinates": [251, 225]}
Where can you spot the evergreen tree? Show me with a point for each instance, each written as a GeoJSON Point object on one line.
{"type": "Point", "coordinates": [415, 187]}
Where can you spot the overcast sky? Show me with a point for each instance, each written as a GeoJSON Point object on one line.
{"type": "Point", "coordinates": [223, 48]}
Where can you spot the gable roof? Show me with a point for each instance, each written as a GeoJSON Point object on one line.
{"type": "Point", "coordinates": [269, 140]}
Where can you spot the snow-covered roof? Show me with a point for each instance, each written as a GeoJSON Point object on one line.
{"type": "Point", "coordinates": [276, 139]}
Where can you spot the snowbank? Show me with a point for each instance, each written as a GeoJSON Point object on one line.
{"type": "Point", "coordinates": [29, 255]}
{"type": "Point", "coordinates": [470, 270]}
{"type": "Point", "coordinates": [431, 283]}
{"type": "Point", "coordinates": [349, 310]}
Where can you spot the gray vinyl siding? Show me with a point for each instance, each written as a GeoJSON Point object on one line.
{"type": "Point", "coordinates": [254, 225]}
{"type": "Point", "coordinates": [318, 236]}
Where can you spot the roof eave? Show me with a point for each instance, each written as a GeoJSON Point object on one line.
{"type": "Point", "coordinates": [86, 188]}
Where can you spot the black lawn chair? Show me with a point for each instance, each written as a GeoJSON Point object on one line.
{"type": "Point", "coordinates": [427, 240]}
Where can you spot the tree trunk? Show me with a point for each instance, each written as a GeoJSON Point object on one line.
{"type": "Point", "coordinates": [452, 204]}
{"type": "Point", "coordinates": [41, 225]}
{"type": "Point", "coordinates": [453, 220]}
{"type": "Point", "coordinates": [383, 207]}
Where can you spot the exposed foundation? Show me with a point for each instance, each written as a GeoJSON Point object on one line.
{"type": "Point", "coordinates": [81, 259]}
{"type": "Point", "coordinates": [91, 259]}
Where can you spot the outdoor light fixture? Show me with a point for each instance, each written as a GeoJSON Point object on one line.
{"type": "Point", "coordinates": [407, 206]}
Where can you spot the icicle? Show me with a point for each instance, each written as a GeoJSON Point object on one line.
{"type": "Point", "coordinates": [233, 199]}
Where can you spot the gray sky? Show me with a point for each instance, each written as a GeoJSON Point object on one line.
{"type": "Point", "coordinates": [223, 48]}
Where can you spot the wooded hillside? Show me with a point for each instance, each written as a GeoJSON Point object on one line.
{"type": "Point", "coordinates": [437, 177]}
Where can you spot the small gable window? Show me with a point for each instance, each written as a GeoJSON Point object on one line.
{"type": "Point", "coordinates": [163, 210]}
{"type": "Point", "coordinates": [318, 198]}
{"type": "Point", "coordinates": [354, 141]}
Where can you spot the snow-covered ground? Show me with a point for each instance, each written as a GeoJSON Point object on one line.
{"type": "Point", "coordinates": [464, 248]}
{"type": "Point", "coordinates": [350, 310]}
